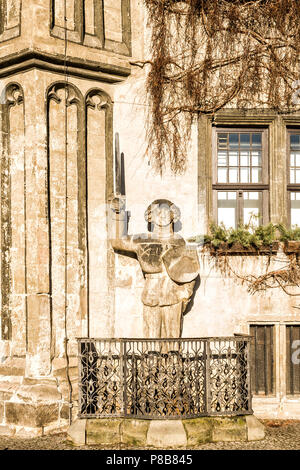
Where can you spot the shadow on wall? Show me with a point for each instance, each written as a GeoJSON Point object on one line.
{"type": "Point", "coordinates": [191, 302]}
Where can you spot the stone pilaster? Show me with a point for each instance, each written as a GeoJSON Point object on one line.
{"type": "Point", "coordinates": [278, 172]}
{"type": "Point", "coordinates": [39, 326]}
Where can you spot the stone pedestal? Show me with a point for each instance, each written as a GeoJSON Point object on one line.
{"type": "Point", "coordinates": [179, 433]}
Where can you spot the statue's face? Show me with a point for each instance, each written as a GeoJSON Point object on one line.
{"type": "Point", "coordinates": [161, 216]}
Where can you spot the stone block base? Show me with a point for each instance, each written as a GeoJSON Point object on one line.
{"type": "Point", "coordinates": [179, 433]}
{"type": "Point", "coordinates": [36, 406]}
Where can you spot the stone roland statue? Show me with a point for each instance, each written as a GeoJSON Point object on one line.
{"type": "Point", "coordinates": [169, 268]}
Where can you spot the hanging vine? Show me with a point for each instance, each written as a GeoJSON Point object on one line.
{"type": "Point", "coordinates": [287, 278]}
{"type": "Point", "coordinates": [208, 54]}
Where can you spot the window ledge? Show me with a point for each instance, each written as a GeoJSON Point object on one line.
{"type": "Point", "coordinates": [238, 249]}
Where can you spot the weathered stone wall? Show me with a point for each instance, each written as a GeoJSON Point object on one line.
{"type": "Point", "coordinates": [44, 244]}
{"type": "Point", "coordinates": [56, 176]}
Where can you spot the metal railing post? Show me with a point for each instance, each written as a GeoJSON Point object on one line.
{"type": "Point", "coordinates": [248, 342]}
{"type": "Point", "coordinates": [124, 374]}
{"type": "Point", "coordinates": [207, 372]}
{"type": "Point", "coordinates": [79, 378]}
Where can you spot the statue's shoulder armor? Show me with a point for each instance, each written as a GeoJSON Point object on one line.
{"type": "Point", "coordinates": [141, 238]}
{"type": "Point", "coordinates": [178, 241]}
{"type": "Point", "coordinates": [150, 238]}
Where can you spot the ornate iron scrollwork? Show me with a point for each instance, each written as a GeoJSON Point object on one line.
{"type": "Point", "coordinates": [163, 379]}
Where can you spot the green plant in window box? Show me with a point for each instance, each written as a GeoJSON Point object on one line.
{"type": "Point", "coordinates": [245, 238]}
{"type": "Point", "coordinates": [288, 234]}
{"type": "Point", "coordinates": [218, 235]}
{"type": "Point", "coordinates": [263, 240]}
{"type": "Point", "coordinates": [266, 234]}
{"type": "Point", "coordinates": [290, 237]}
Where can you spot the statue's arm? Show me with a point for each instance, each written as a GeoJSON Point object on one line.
{"type": "Point", "coordinates": [123, 244]}
{"type": "Point", "coordinates": [118, 236]}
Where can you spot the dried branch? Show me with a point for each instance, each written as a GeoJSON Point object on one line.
{"type": "Point", "coordinates": [208, 54]}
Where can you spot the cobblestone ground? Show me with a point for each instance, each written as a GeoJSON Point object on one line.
{"type": "Point", "coordinates": [280, 435]}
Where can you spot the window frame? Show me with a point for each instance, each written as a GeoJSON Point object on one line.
{"type": "Point", "coordinates": [291, 187]}
{"type": "Point", "coordinates": [253, 364]}
{"type": "Point", "coordinates": [241, 188]}
{"type": "Point", "coordinates": [288, 353]}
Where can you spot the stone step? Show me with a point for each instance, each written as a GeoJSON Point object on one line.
{"type": "Point", "coordinates": [181, 433]}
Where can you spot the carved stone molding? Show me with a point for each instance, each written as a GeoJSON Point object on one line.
{"type": "Point", "coordinates": [104, 103]}
{"type": "Point", "coordinates": [92, 70]}
{"type": "Point", "coordinates": [86, 24]}
{"type": "Point", "coordinates": [74, 25]}
{"type": "Point", "coordinates": [12, 96]}
{"type": "Point", "coordinates": [10, 19]}
{"type": "Point", "coordinates": [73, 95]}
{"type": "Point", "coordinates": [99, 146]}
{"type": "Point", "coordinates": [67, 192]}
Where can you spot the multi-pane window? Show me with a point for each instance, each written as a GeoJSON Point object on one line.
{"type": "Point", "coordinates": [293, 359]}
{"type": "Point", "coordinates": [240, 177]}
{"type": "Point", "coordinates": [294, 177]}
{"type": "Point", "coordinates": [262, 359]}
{"type": "Point", "coordinates": [239, 157]}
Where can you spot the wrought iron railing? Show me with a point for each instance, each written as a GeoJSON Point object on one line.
{"type": "Point", "coordinates": [164, 378]}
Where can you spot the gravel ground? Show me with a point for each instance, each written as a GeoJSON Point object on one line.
{"type": "Point", "coordinates": [280, 435]}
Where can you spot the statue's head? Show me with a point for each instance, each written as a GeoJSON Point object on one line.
{"type": "Point", "coordinates": [162, 212]}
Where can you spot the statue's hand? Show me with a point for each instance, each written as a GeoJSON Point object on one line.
{"type": "Point", "coordinates": [185, 303]}
{"type": "Point", "coordinates": [187, 291]}
{"type": "Point", "coordinates": [117, 205]}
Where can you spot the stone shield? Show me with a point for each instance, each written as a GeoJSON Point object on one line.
{"type": "Point", "coordinates": [181, 263]}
